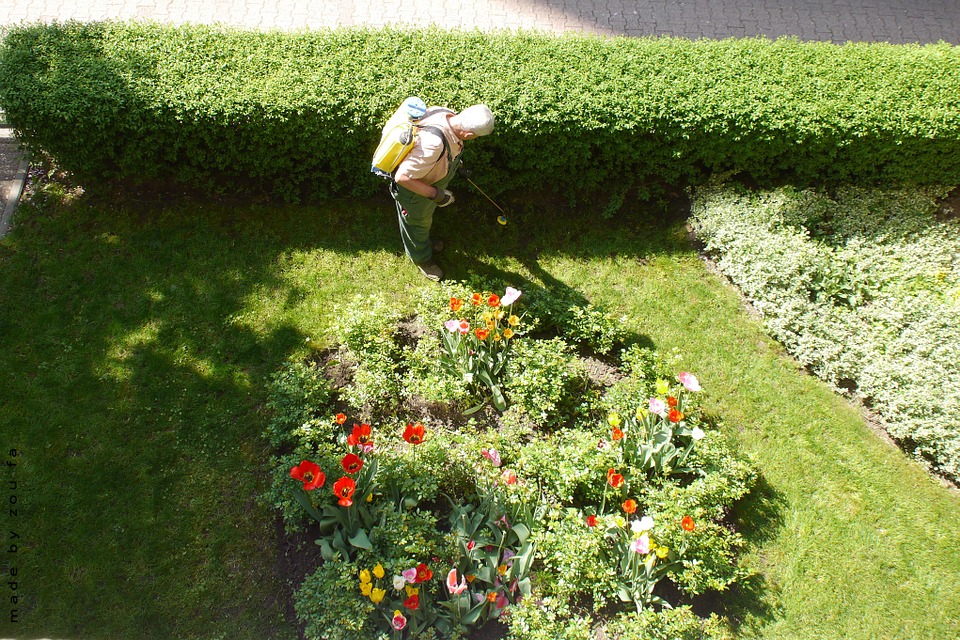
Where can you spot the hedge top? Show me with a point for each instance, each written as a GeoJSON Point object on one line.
{"type": "Point", "coordinates": [299, 113]}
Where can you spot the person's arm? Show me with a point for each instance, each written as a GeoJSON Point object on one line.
{"type": "Point", "coordinates": [442, 197]}
{"type": "Point", "coordinates": [419, 187]}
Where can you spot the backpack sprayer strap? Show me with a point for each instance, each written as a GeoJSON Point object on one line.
{"type": "Point", "coordinates": [437, 131]}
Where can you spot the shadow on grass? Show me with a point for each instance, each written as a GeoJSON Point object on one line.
{"type": "Point", "coordinates": [751, 603]}
{"type": "Point", "coordinates": [138, 383]}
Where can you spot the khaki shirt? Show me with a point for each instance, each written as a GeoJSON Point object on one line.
{"type": "Point", "coordinates": [427, 161]}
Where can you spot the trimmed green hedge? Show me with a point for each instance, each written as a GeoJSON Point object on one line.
{"type": "Point", "coordinates": [298, 114]}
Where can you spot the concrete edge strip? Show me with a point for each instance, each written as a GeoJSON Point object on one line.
{"type": "Point", "coordinates": [13, 197]}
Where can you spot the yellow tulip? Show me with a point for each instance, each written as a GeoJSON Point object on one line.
{"type": "Point", "coordinates": [412, 591]}
{"type": "Point", "coordinates": [377, 595]}
{"type": "Point", "coordinates": [365, 588]}
{"type": "Point", "coordinates": [364, 576]}
{"type": "Point", "coordinates": [513, 320]}
{"type": "Point", "coordinates": [662, 387]}
{"type": "Point", "coordinates": [378, 571]}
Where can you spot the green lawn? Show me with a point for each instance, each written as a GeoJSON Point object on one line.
{"type": "Point", "coordinates": [137, 339]}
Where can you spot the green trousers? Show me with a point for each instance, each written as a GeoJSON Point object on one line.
{"type": "Point", "coordinates": [415, 215]}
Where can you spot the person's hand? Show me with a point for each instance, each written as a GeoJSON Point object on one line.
{"type": "Point", "coordinates": [443, 198]}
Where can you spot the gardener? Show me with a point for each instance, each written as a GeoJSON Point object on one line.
{"type": "Point", "coordinates": [421, 179]}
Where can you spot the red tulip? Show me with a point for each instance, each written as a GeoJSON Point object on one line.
{"type": "Point", "coordinates": [343, 489]}
{"type": "Point", "coordinates": [412, 603]}
{"type": "Point", "coordinates": [424, 573]}
{"type": "Point", "coordinates": [688, 524]}
{"type": "Point", "coordinates": [309, 474]}
{"type": "Point", "coordinates": [351, 463]}
{"type": "Point", "coordinates": [614, 478]}
{"type": "Point", "coordinates": [361, 436]}
{"type": "Point", "coordinates": [414, 433]}
{"type": "Point", "coordinates": [675, 415]}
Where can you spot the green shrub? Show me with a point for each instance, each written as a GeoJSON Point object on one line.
{"type": "Point", "coordinates": [545, 380]}
{"type": "Point", "coordinates": [297, 393]}
{"type": "Point", "coordinates": [540, 618]}
{"type": "Point", "coordinates": [863, 287]}
{"type": "Point", "coordinates": [299, 114]}
{"type": "Point", "coordinates": [328, 605]}
{"type": "Point", "coordinates": [366, 327]}
{"type": "Point", "coordinates": [669, 624]}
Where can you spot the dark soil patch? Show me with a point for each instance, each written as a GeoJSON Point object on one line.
{"type": "Point", "coordinates": [298, 557]}
{"type": "Point", "coordinates": [949, 208]}
{"type": "Point", "coordinates": [600, 373]}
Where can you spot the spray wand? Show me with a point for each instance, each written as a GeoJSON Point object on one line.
{"type": "Point", "coordinates": [502, 219]}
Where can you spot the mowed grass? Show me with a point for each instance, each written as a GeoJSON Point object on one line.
{"type": "Point", "coordinates": [137, 341]}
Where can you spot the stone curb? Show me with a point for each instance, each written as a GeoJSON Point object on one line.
{"type": "Point", "coordinates": [14, 191]}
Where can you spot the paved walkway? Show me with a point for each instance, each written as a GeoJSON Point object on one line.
{"type": "Point", "coordinates": [838, 21]}
{"type": "Point", "coordinates": [896, 21]}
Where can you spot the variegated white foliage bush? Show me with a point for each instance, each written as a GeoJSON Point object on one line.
{"type": "Point", "coordinates": [862, 286]}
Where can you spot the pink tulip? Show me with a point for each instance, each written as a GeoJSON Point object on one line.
{"type": "Point", "coordinates": [657, 406]}
{"type": "Point", "coordinates": [509, 297]}
{"type": "Point", "coordinates": [410, 575]}
{"type": "Point", "coordinates": [452, 325]}
{"type": "Point", "coordinates": [641, 545]}
{"type": "Point", "coordinates": [689, 381]}
{"type": "Point", "coordinates": [452, 586]}
{"type": "Point", "coordinates": [492, 455]}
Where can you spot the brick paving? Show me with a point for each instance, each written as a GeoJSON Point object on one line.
{"type": "Point", "coordinates": [838, 21]}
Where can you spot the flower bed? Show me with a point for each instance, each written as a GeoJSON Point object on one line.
{"type": "Point", "coordinates": [445, 495]}
{"type": "Point", "coordinates": [863, 287]}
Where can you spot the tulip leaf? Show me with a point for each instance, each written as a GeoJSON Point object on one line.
{"type": "Point", "coordinates": [485, 574]}
{"type": "Point", "coordinates": [473, 615]}
{"type": "Point", "coordinates": [325, 549]}
{"type": "Point", "coordinates": [498, 400]}
{"type": "Point", "coordinates": [361, 540]}
{"type": "Point", "coordinates": [472, 410]}
{"type": "Point", "coordinates": [301, 496]}
{"type": "Point", "coordinates": [521, 531]}
{"type": "Point", "coordinates": [525, 587]}
{"type": "Point", "coordinates": [521, 564]}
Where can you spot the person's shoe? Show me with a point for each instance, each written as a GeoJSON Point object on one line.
{"type": "Point", "coordinates": [437, 246]}
{"type": "Point", "coordinates": [430, 270]}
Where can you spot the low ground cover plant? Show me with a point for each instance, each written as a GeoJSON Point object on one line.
{"type": "Point", "coordinates": [438, 514]}
{"type": "Point", "coordinates": [863, 287]}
